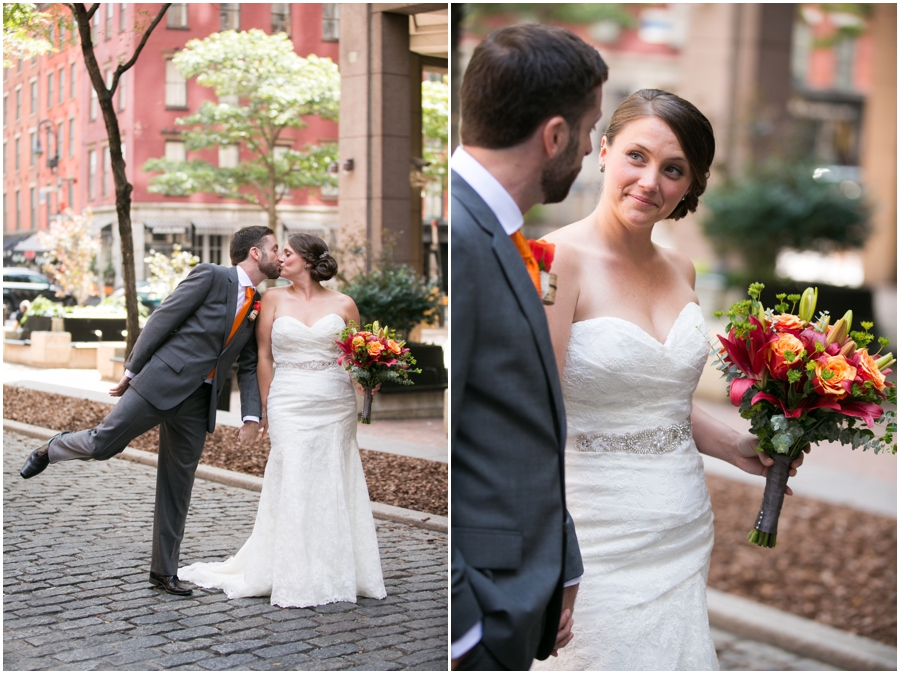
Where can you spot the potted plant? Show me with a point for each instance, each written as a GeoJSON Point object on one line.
{"type": "Point", "coordinates": [396, 296]}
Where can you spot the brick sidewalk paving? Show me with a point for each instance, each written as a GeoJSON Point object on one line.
{"type": "Point", "coordinates": [745, 655]}
{"type": "Point", "coordinates": [76, 551]}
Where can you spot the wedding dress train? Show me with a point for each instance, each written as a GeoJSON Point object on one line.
{"type": "Point", "coordinates": [636, 491]}
{"type": "Point", "coordinates": [314, 538]}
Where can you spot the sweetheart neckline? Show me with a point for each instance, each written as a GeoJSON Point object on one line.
{"type": "Point", "coordinates": [310, 327]}
{"type": "Point", "coordinates": [638, 327]}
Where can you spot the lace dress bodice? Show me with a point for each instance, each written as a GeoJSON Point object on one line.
{"type": "Point", "coordinates": [636, 491]}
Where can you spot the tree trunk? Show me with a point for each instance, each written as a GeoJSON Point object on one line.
{"type": "Point", "coordinates": [117, 162]}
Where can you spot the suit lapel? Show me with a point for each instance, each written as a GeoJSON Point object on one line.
{"type": "Point", "coordinates": [522, 286]}
{"type": "Point", "coordinates": [230, 303]}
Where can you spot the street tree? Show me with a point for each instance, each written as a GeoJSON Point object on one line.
{"type": "Point", "coordinates": [72, 248]}
{"type": "Point", "coordinates": [435, 113]}
{"type": "Point", "coordinates": [83, 16]}
{"type": "Point", "coordinates": [25, 31]}
{"type": "Point", "coordinates": [265, 91]}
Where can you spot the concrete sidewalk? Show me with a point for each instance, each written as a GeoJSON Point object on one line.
{"type": "Point", "coordinates": [76, 596]}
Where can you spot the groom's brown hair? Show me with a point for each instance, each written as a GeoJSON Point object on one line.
{"type": "Point", "coordinates": [245, 239]}
{"type": "Point", "coordinates": [523, 75]}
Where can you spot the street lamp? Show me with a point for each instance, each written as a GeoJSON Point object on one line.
{"type": "Point", "coordinates": [52, 161]}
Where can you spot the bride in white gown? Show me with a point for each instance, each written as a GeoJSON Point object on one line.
{"type": "Point", "coordinates": [314, 538]}
{"type": "Point", "coordinates": [631, 343]}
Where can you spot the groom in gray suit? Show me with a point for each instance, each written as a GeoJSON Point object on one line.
{"type": "Point", "coordinates": [529, 99]}
{"type": "Point", "coordinates": [177, 368]}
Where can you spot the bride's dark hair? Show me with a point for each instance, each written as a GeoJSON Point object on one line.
{"type": "Point", "coordinates": [690, 126]}
{"type": "Point", "coordinates": [315, 251]}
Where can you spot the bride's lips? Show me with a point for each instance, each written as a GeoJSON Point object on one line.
{"type": "Point", "coordinates": [641, 200]}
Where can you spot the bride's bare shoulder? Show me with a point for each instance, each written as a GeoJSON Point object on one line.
{"type": "Point", "coordinates": [569, 242]}
{"type": "Point", "coordinates": [681, 264]}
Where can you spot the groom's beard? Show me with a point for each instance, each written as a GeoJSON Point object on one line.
{"type": "Point", "coordinates": [271, 268]}
{"type": "Point", "coordinates": [557, 178]}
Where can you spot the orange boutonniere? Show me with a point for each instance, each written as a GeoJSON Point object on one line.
{"type": "Point", "coordinates": [255, 312]}
{"type": "Point", "coordinates": [544, 253]}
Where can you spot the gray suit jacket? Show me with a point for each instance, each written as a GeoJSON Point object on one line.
{"type": "Point", "coordinates": [513, 543]}
{"type": "Point", "coordinates": [184, 339]}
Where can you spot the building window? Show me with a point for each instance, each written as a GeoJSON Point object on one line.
{"type": "Point", "coordinates": [229, 156]}
{"type": "Point", "coordinates": [18, 103]}
{"type": "Point", "coordinates": [72, 82]}
{"type": "Point", "coordinates": [177, 16]}
{"type": "Point", "coordinates": [95, 26]}
{"type": "Point", "coordinates": [71, 136]}
{"type": "Point", "coordinates": [176, 87]}
{"type": "Point", "coordinates": [92, 111]}
{"type": "Point", "coordinates": [331, 22]}
{"type": "Point", "coordinates": [33, 97]}
{"type": "Point", "coordinates": [230, 16]}
{"type": "Point", "coordinates": [92, 173]}
{"type": "Point", "coordinates": [34, 207]}
{"type": "Point", "coordinates": [5, 107]}
{"type": "Point", "coordinates": [18, 210]}
{"type": "Point", "coordinates": [59, 140]}
{"type": "Point", "coordinates": [62, 79]}
{"type": "Point", "coordinates": [5, 212]}
{"type": "Point", "coordinates": [18, 147]}
{"type": "Point", "coordinates": [175, 150]}
{"type": "Point", "coordinates": [4, 159]}
{"type": "Point", "coordinates": [281, 18]}
{"type": "Point", "coordinates": [109, 19]}
{"type": "Point", "coordinates": [123, 78]}
{"type": "Point", "coordinates": [49, 90]}
{"type": "Point", "coordinates": [845, 57]}
{"type": "Point", "coordinates": [104, 172]}
{"type": "Point", "coordinates": [281, 190]}
{"type": "Point", "coordinates": [72, 194]}
{"type": "Point", "coordinates": [31, 156]}
{"type": "Point", "coordinates": [122, 17]}
{"type": "Point", "coordinates": [19, 67]}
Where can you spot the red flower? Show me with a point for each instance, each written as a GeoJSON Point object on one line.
{"type": "Point", "coordinates": [543, 252]}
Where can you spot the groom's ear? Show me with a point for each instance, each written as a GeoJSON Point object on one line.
{"type": "Point", "coordinates": [555, 135]}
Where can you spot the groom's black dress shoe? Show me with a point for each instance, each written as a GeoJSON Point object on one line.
{"type": "Point", "coordinates": [170, 584]}
{"type": "Point", "coordinates": [38, 461]}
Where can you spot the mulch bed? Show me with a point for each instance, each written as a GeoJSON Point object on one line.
{"type": "Point", "coordinates": [832, 564]}
{"type": "Point", "coordinates": [401, 481]}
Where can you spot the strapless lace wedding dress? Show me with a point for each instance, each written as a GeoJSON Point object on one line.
{"type": "Point", "coordinates": [635, 488]}
{"type": "Point", "coordinates": [314, 538]}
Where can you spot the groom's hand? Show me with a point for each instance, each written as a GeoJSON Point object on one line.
{"type": "Point", "coordinates": [564, 634]}
{"type": "Point", "coordinates": [119, 389]}
{"type": "Point", "coordinates": [248, 432]}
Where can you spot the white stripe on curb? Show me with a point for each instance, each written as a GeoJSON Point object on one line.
{"type": "Point", "coordinates": [232, 478]}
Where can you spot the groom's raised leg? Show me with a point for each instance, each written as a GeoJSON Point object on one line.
{"type": "Point", "coordinates": [131, 417]}
{"type": "Point", "coordinates": [181, 438]}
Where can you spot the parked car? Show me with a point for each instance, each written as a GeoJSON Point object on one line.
{"type": "Point", "coordinates": [146, 295]}
{"type": "Point", "coordinates": [21, 283]}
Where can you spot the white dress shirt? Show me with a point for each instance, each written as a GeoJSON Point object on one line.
{"type": "Point", "coordinates": [244, 282]}
{"type": "Point", "coordinates": [510, 217]}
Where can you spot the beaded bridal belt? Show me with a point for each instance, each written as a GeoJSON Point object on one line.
{"type": "Point", "coordinates": [651, 441]}
{"type": "Point", "coordinates": [309, 365]}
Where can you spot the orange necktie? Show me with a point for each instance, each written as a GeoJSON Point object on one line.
{"type": "Point", "coordinates": [241, 315]}
{"type": "Point", "coordinates": [531, 264]}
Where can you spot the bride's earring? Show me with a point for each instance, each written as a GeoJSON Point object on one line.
{"type": "Point", "coordinates": [309, 265]}
{"type": "Point", "coordinates": [602, 168]}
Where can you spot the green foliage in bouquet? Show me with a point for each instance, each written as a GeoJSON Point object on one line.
{"type": "Point", "coordinates": [781, 206]}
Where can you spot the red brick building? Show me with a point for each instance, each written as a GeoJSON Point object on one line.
{"type": "Point", "coordinates": [53, 92]}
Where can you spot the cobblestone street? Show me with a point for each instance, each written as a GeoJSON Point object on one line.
{"type": "Point", "coordinates": [76, 553]}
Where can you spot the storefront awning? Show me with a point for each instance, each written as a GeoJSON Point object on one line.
{"type": "Point", "coordinates": [31, 243]}
{"type": "Point", "coordinates": [214, 226]}
{"type": "Point", "coordinates": [9, 242]}
{"type": "Point", "coordinates": [168, 225]}
{"type": "Point", "coordinates": [314, 227]}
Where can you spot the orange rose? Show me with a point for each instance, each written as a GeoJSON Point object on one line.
{"type": "Point", "coordinates": [868, 370]}
{"type": "Point", "coordinates": [375, 349]}
{"type": "Point", "coordinates": [776, 355]}
{"type": "Point", "coordinates": [394, 347]}
{"type": "Point", "coordinates": [784, 322]}
{"type": "Point", "coordinates": [358, 342]}
{"type": "Point", "coordinates": [831, 374]}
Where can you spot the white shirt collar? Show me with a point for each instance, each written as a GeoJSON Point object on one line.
{"type": "Point", "coordinates": [488, 188]}
{"type": "Point", "coordinates": [243, 278]}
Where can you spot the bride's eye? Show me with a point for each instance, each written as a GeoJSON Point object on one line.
{"type": "Point", "coordinates": [674, 171]}
{"type": "Point", "coordinates": [634, 154]}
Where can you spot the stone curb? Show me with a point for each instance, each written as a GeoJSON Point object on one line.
{"type": "Point", "coordinates": [232, 478]}
{"type": "Point", "coordinates": [802, 636]}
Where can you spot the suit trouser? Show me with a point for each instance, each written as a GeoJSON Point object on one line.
{"type": "Point", "coordinates": [182, 432]}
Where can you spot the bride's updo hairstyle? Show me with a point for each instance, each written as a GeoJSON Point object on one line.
{"type": "Point", "coordinates": [315, 252]}
{"type": "Point", "coordinates": [690, 126]}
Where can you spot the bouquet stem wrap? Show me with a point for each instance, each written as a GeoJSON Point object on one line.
{"type": "Point", "coordinates": [365, 417]}
{"type": "Point", "coordinates": [766, 529]}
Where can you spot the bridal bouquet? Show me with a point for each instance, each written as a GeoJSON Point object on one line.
{"type": "Point", "coordinates": [373, 355]}
{"type": "Point", "coordinates": [801, 381]}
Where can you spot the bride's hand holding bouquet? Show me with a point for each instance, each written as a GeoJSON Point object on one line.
{"type": "Point", "coordinates": [801, 381]}
{"type": "Point", "coordinates": [373, 355]}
